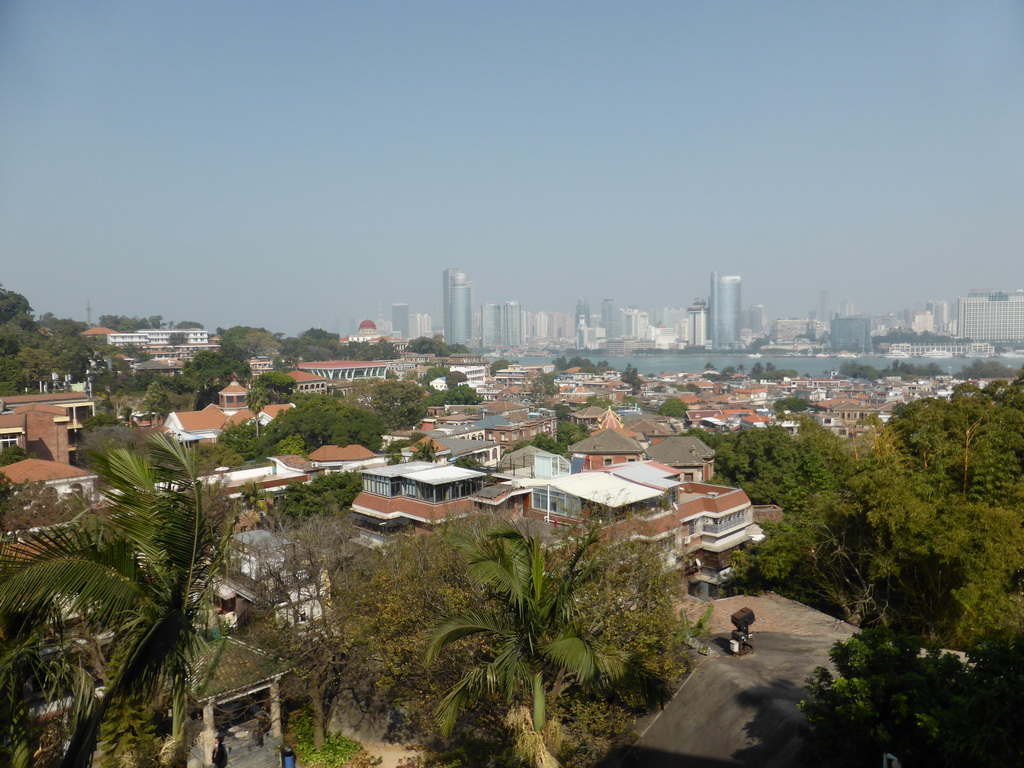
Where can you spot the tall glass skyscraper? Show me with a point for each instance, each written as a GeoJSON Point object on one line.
{"type": "Point", "coordinates": [582, 310]}
{"type": "Point", "coordinates": [724, 312]}
{"type": "Point", "coordinates": [611, 319]}
{"type": "Point", "coordinates": [458, 307]}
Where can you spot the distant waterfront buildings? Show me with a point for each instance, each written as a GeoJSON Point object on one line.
{"type": "Point", "coordinates": [787, 330]}
{"type": "Point", "coordinates": [458, 307]}
{"type": "Point", "coordinates": [724, 312]}
{"type": "Point", "coordinates": [991, 316]}
{"type": "Point", "coordinates": [852, 334]}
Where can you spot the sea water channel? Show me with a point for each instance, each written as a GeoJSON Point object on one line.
{"type": "Point", "coordinates": [802, 364]}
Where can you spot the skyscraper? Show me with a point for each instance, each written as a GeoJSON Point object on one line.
{"type": "Point", "coordinates": [724, 312]}
{"type": "Point", "coordinates": [697, 325]}
{"type": "Point", "coordinates": [611, 319]}
{"type": "Point", "coordinates": [502, 324]}
{"type": "Point", "coordinates": [582, 310]}
{"type": "Point", "coordinates": [458, 307]}
{"type": "Point", "coordinates": [400, 319]}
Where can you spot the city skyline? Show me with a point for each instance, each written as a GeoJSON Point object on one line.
{"type": "Point", "coordinates": [292, 167]}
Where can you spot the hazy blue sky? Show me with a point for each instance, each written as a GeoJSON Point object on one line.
{"type": "Point", "coordinates": [292, 164]}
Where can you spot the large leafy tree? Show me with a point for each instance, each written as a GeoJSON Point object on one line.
{"type": "Point", "coordinates": [891, 693]}
{"type": "Point", "coordinates": [541, 641]}
{"type": "Point", "coordinates": [144, 572]}
{"type": "Point", "coordinates": [919, 526]}
{"type": "Point", "coordinates": [323, 420]}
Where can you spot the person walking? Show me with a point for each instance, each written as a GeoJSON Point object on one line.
{"type": "Point", "coordinates": [220, 754]}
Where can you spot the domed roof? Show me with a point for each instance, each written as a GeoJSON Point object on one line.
{"type": "Point", "coordinates": [367, 325]}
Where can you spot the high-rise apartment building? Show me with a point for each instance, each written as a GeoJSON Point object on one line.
{"type": "Point", "coordinates": [420, 325]}
{"type": "Point", "coordinates": [635, 323]}
{"type": "Point", "coordinates": [400, 320]}
{"type": "Point", "coordinates": [724, 312]}
{"type": "Point", "coordinates": [991, 316]}
{"type": "Point", "coordinates": [755, 319]}
{"type": "Point", "coordinates": [697, 324]}
{"type": "Point", "coordinates": [940, 313]}
{"type": "Point", "coordinates": [502, 324]}
{"type": "Point", "coordinates": [458, 307]}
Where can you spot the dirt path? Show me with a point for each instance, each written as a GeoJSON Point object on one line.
{"type": "Point", "coordinates": [390, 754]}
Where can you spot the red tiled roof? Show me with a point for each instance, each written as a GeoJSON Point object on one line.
{"type": "Point", "coordinates": [276, 409]}
{"type": "Point", "coordinates": [11, 421]}
{"type": "Point", "coordinates": [37, 470]}
{"type": "Point", "coordinates": [42, 408]}
{"type": "Point", "coordinates": [339, 453]}
{"type": "Point", "coordinates": [99, 331]}
{"type": "Point", "coordinates": [303, 376]}
{"type": "Point", "coordinates": [211, 417]}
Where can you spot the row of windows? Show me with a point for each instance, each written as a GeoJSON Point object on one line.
{"type": "Point", "coordinates": [434, 494]}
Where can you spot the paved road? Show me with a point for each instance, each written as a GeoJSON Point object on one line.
{"type": "Point", "coordinates": [742, 710]}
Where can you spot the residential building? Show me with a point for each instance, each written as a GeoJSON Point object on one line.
{"type": "Point", "coordinates": [922, 321]}
{"type": "Point", "coordinates": [697, 329]}
{"type": "Point", "coordinates": [58, 478]}
{"type": "Point", "coordinates": [994, 316]}
{"type": "Point", "coordinates": [532, 462]}
{"type": "Point", "coordinates": [420, 326]}
{"type": "Point", "coordinates": [940, 314]}
{"type": "Point", "coordinates": [605, 448]}
{"type": "Point", "coordinates": [348, 458]}
{"type": "Point", "coordinates": [416, 495]}
{"type": "Point", "coordinates": [502, 324]}
{"type": "Point", "coordinates": [45, 426]}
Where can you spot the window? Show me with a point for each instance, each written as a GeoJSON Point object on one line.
{"type": "Point", "coordinates": [608, 462]}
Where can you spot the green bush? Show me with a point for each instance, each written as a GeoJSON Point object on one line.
{"type": "Point", "coordinates": [336, 751]}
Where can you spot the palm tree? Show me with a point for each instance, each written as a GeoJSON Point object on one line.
{"type": "Point", "coordinates": [257, 399]}
{"type": "Point", "coordinates": [26, 655]}
{"type": "Point", "coordinates": [145, 572]}
{"type": "Point", "coordinates": [426, 450]}
{"type": "Point", "coordinates": [543, 643]}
